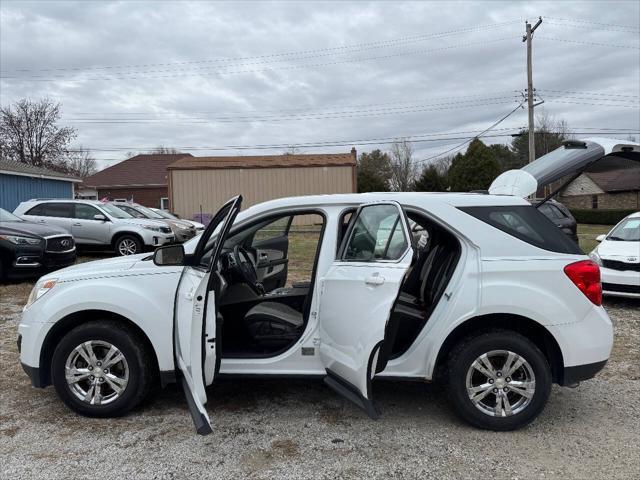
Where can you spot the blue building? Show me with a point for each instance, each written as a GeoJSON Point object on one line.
{"type": "Point", "coordinates": [20, 182]}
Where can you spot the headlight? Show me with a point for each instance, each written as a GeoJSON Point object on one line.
{"type": "Point", "coordinates": [39, 289]}
{"type": "Point", "coordinates": [595, 257]}
{"type": "Point", "coordinates": [21, 240]}
{"type": "Point", "coordinates": [152, 228]}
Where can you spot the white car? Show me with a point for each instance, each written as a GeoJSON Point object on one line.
{"type": "Point", "coordinates": [483, 292]}
{"type": "Point", "coordinates": [619, 258]}
{"type": "Point", "coordinates": [97, 224]}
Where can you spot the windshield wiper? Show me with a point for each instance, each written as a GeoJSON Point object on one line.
{"type": "Point", "coordinates": [614, 238]}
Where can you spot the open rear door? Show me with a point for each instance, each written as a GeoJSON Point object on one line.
{"type": "Point", "coordinates": [357, 295]}
{"type": "Point", "coordinates": [195, 331]}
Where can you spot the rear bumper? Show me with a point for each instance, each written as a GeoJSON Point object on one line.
{"type": "Point", "coordinates": [579, 373]}
{"type": "Point", "coordinates": [587, 342]}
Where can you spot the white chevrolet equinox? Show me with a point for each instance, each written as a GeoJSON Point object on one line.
{"type": "Point", "coordinates": [479, 291]}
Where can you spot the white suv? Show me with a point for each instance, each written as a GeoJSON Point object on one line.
{"type": "Point", "coordinates": [480, 291]}
{"type": "Point", "coordinates": [97, 224]}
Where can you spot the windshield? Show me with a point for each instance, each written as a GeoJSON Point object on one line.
{"type": "Point", "coordinates": [148, 212]}
{"type": "Point", "coordinates": [165, 214]}
{"type": "Point", "coordinates": [627, 231]}
{"type": "Point", "coordinates": [115, 212]}
{"type": "Point", "coordinates": [8, 217]}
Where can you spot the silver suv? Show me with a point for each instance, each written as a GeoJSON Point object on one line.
{"type": "Point", "coordinates": [97, 224]}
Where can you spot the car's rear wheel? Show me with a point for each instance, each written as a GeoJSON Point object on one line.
{"type": "Point", "coordinates": [101, 369]}
{"type": "Point", "coordinates": [498, 380]}
{"type": "Point", "coordinates": [128, 245]}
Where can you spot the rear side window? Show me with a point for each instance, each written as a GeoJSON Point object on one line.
{"type": "Point", "coordinates": [64, 210]}
{"type": "Point", "coordinates": [527, 224]}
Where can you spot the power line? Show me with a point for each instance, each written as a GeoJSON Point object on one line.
{"type": "Point", "coordinates": [591, 27]}
{"type": "Point", "coordinates": [553, 100]}
{"type": "Point", "coordinates": [446, 135]}
{"type": "Point", "coordinates": [337, 50]}
{"type": "Point", "coordinates": [588, 93]}
{"type": "Point", "coordinates": [290, 67]}
{"type": "Point", "coordinates": [503, 93]}
{"type": "Point", "coordinates": [469, 140]}
{"type": "Point", "coordinates": [301, 116]}
{"type": "Point", "coordinates": [589, 22]}
{"type": "Point", "coordinates": [255, 113]}
{"type": "Point", "coordinates": [592, 44]}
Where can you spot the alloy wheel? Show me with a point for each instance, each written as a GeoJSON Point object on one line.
{"type": "Point", "coordinates": [127, 246]}
{"type": "Point", "coordinates": [500, 383]}
{"type": "Point", "coordinates": [97, 372]}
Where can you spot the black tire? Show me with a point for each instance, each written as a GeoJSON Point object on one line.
{"type": "Point", "coordinates": [141, 369]}
{"type": "Point", "coordinates": [468, 350]}
{"type": "Point", "coordinates": [127, 239]}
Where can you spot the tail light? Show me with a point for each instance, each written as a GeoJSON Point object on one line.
{"type": "Point", "coordinates": [585, 274]}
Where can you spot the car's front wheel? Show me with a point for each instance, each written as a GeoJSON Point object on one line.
{"type": "Point", "coordinates": [498, 380]}
{"type": "Point", "coordinates": [101, 369]}
{"type": "Point", "coordinates": [128, 245]}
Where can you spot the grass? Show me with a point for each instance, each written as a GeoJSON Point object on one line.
{"type": "Point", "coordinates": [303, 243]}
{"type": "Point", "coordinates": [587, 235]}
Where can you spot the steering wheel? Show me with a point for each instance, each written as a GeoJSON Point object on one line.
{"type": "Point", "coordinates": [247, 269]}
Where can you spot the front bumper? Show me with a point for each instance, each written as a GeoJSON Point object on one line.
{"type": "Point", "coordinates": [184, 235]}
{"type": "Point", "coordinates": [159, 239]}
{"type": "Point", "coordinates": [579, 373]}
{"type": "Point", "coordinates": [35, 375]}
{"type": "Point", "coordinates": [30, 262]}
{"type": "Point", "coordinates": [621, 283]}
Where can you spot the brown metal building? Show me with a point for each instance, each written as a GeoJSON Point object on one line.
{"type": "Point", "coordinates": [203, 184]}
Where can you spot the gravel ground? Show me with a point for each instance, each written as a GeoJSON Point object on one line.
{"type": "Point", "coordinates": [300, 429]}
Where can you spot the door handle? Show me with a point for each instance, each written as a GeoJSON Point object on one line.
{"type": "Point", "coordinates": [375, 279]}
{"type": "Point", "coordinates": [77, 224]}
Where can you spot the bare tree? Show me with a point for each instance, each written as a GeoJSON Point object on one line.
{"type": "Point", "coordinates": [29, 133]}
{"type": "Point", "coordinates": [80, 163]}
{"type": "Point", "coordinates": [443, 164]}
{"type": "Point", "coordinates": [292, 150]}
{"type": "Point", "coordinates": [161, 149]}
{"type": "Point", "coordinates": [403, 170]}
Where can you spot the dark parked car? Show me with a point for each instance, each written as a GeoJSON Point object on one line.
{"type": "Point", "coordinates": [561, 218]}
{"type": "Point", "coordinates": [28, 248]}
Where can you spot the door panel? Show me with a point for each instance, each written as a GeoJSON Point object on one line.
{"type": "Point", "coordinates": [272, 262]}
{"type": "Point", "coordinates": [195, 315]}
{"type": "Point", "coordinates": [271, 244]}
{"type": "Point", "coordinates": [188, 343]}
{"type": "Point", "coordinates": [357, 295]}
{"type": "Point", "coordinates": [86, 229]}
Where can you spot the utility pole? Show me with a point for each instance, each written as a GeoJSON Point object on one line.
{"type": "Point", "coordinates": [529, 38]}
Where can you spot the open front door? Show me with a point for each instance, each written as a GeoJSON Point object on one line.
{"type": "Point", "coordinates": [195, 332]}
{"type": "Point", "coordinates": [357, 295]}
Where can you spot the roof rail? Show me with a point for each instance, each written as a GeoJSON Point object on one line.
{"type": "Point", "coordinates": [42, 199]}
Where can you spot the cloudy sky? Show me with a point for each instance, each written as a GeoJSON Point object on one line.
{"type": "Point", "coordinates": [226, 78]}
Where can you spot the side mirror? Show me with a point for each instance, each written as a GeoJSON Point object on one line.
{"type": "Point", "coordinates": [600, 238]}
{"type": "Point", "coordinates": [169, 255]}
{"type": "Point", "coordinates": [99, 216]}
